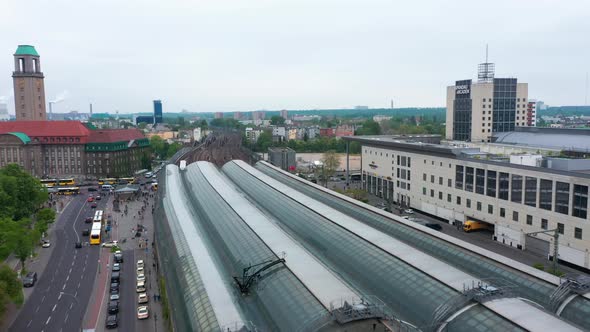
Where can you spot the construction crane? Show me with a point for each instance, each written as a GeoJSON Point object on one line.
{"type": "Point", "coordinates": [555, 245]}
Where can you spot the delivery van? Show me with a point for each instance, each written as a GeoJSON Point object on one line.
{"type": "Point", "coordinates": [473, 225]}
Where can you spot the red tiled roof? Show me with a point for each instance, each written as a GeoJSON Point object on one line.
{"type": "Point", "coordinates": [114, 135]}
{"type": "Point", "coordinates": [45, 128]}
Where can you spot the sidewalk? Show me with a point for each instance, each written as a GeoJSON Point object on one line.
{"type": "Point", "coordinates": [36, 263]}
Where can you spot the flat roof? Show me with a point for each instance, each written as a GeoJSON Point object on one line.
{"type": "Point", "coordinates": [322, 283]}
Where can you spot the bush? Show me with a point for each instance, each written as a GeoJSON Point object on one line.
{"type": "Point", "coordinates": [539, 266]}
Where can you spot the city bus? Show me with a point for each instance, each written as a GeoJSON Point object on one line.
{"type": "Point", "coordinates": [68, 191]}
{"type": "Point", "coordinates": [126, 180]}
{"type": "Point", "coordinates": [98, 217]}
{"type": "Point", "coordinates": [107, 181]}
{"type": "Point", "coordinates": [49, 183]}
{"type": "Point", "coordinates": [66, 182]}
{"type": "Point", "coordinates": [95, 233]}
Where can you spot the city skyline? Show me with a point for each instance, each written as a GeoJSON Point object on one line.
{"type": "Point", "coordinates": [219, 57]}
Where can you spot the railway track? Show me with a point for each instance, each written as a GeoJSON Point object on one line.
{"type": "Point", "coordinates": [217, 148]}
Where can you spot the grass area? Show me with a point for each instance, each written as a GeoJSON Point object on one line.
{"type": "Point", "coordinates": [165, 307]}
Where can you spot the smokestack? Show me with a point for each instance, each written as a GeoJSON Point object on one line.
{"type": "Point", "coordinates": [50, 110]}
{"type": "Point", "coordinates": [90, 109]}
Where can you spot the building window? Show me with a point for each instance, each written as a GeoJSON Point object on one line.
{"type": "Point", "coordinates": [546, 194]}
{"type": "Point", "coordinates": [449, 198]}
{"type": "Point", "coordinates": [516, 192]}
{"type": "Point", "coordinates": [544, 224]}
{"type": "Point", "coordinates": [409, 162]}
{"type": "Point", "coordinates": [440, 195]}
{"type": "Point", "coordinates": [578, 233]}
{"type": "Point", "coordinates": [491, 184]}
{"type": "Point", "coordinates": [432, 178]}
{"type": "Point", "coordinates": [560, 228]}
{"type": "Point", "coordinates": [423, 190]}
{"type": "Point", "coordinates": [423, 176]}
{"type": "Point", "coordinates": [459, 177]}
{"type": "Point", "coordinates": [480, 181]}
{"type": "Point", "coordinates": [449, 183]}
{"type": "Point", "coordinates": [503, 184]}
{"type": "Point", "coordinates": [440, 180]}
{"type": "Point", "coordinates": [562, 197]}
{"type": "Point", "coordinates": [490, 209]}
{"type": "Point", "coordinates": [478, 206]}
{"type": "Point", "coordinates": [502, 212]}
{"type": "Point", "coordinates": [458, 200]}
{"type": "Point", "coordinates": [431, 193]}
{"type": "Point", "coordinates": [530, 194]}
{"type": "Point", "coordinates": [469, 179]}
{"type": "Point", "coordinates": [515, 216]}
{"type": "Point", "coordinates": [529, 219]}
{"type": "Point", "coordinates": [580, 201]}
{"type": "Point", "coordinates": [468, 203]}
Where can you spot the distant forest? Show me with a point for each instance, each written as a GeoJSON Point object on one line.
{"type": "Point", "coordinates": [565, 110]}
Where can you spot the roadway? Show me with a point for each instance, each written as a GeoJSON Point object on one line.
{"type": "Point", "coordinates": [61, 295]}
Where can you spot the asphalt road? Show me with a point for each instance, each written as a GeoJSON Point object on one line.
{"type": "Point", "coordinates": [128, 296]}
{"type": "Point", "coordinates": [61, 295]}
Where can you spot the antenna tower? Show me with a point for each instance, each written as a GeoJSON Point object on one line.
{"type": "Point", "coordinates": [485, 71]}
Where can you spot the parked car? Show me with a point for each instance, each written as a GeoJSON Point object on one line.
{"type": "Point", "coordinates": [114, 287]}
{"type": "Point", "coordinates": [88, 220]}
{"type": "Point", "coordinates": [112, 322]}
{"type": "Point", "coordinates": [140, 287]}
{"type": "Point", "coordinates": [30, 279]}
{"type": "Point", "coordinates": [114, 297]}
{"type": "Point", "coordinates": [408, 211]}
{"type": "Point", "coordinates": [116, 267]}
{"type": "Point", "coordinates": [85, 232]}
{"type": "Point", "coordinates": [141, 277]}
{"type": "Point", "coordinates": [78, 245]}
{"type": "Point", "coordinates": [115, 276]}
{"type": "Point", "coordinates": [140, 270]}
{"type": "Point", "coordinates": [142, 298]}
{"type": "Point", "coordinates": [113, 307]}
{"type": "Point", "coordinates": [46, 244]}
{"type": "Point", "coordinates": [118, 256]}
{"type": "Point", "coordinates": [139, 263]}
{"type": "Point", "coordinates": [109, 244]}
{"type": "Point", "coordinates": [142, 312]}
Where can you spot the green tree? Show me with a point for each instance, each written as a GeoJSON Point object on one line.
{"type": "Point", "coordinates": [46, 215]}
{"type": "Point", "coordinates": [369, 127]}
{"type": "Point", "coordinates": [331, 162]}
{"type": "Point", "coordinates": [277, 120]}
{"type": "Point", "coordinates": [23, 246]}
{"type": "Point", "coordinates": [142, 125]}
{"type": "Point", "coordinates": [10, 288]}
{"type": "Point", "coordinates": [20, 193]}
{"type": "Point", "coordinates": [158, 146]}
{"type": "Point", "coordinates": [264, 141]}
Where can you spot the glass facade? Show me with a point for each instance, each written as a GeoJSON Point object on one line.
{"type": "Point", "coordinates": [462, 111]}
{"type": "Point", "coordinates": [480, 181]}
{"type": "Point", "coordinates": [491, 184]}
{"type": "Point", "coordinates": [530, 194]}
{"type": "Point", "coordinates": [469, 178]}
{"type": "Point", "coordinates": [504, 104]}
{"type": "Point", "coordinates": [504, 186]}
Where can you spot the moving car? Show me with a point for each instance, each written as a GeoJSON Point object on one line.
{"type": "Point", "coordinates": [78, 245]}
{"type": "Point", "coordinates": [30, 279]}
{"type": "Point", "coordinates": [113, 307]}
{"type": "Point", "coordinates": [112, 321]}
{"type": "Point", "coordinates": [142, 312]}
{"type": "Point", "coordinates": [142, 298]}
{"type": "Point", "coordinates": [93, 205]}
{"type": "Point", "coordinates": [85, 232]}
{"type": "Point", "coordinates": [109, 244]}
{"type": "Point", "coordinates": [98, 198]}
{"type": "Point", "coordinates": [116, 267]}
{"type": "Point", "coordinates": [88, 220]}
{"type": "Point", "coordinates": [149, 174]}
{"type": "Point", "coordinates": [91, 189]}
{"type": "Point", "coordinates": [90, 199]}
{"type": "Point", "coordinates": [46, 244]}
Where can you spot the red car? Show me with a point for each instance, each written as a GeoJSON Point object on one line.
{"type": "Point", "coordinates": [93, 205]}
{"type": "Point", "coordinates": [90, 199]}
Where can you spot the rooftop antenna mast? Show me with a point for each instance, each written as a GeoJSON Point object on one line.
{"type": "Point", "coordinates": [485, 71]}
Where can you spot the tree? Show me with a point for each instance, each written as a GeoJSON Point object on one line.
{"type": "Point", "coordinates": [23, 246]}
{"type": "Point", "coordinates": [370, 127]}
{"type": "Point", "coordinates": [305, 137]}
{"type": "Point", "coordinates": [158, 145]}
{"type": "Point", "coordinates": [20, 193]}
{"type": "Point", "coordinates": [331, 162]}
{"type": "Point", "coordinates": [276, 120]}
{"type": "Point", "coordinates": [10, 288]}
{"type": "Point", "coordinates": [264, 141]}
{"type": "Point", "coordinates": [46, 215]}
{"type": "Point", "coordinates": [142, 125]}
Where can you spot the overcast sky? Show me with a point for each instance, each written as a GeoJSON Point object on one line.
{"type": "Point", "coordinates": [218, 55]}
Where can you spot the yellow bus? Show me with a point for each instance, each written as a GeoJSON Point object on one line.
{"type": "Point", "coordinates": [66, 182]}
{"type": "Point", "coordinates": [49, 183]}
{"type": "Point", "coordinates": [154, 186]}
{"type": "Point", "coordinates": [95, 233]}
{"type": "Point", "coordinates": [127, 180]}
{"type": "Point", "coordinates": [68, 191]}
{"type": "Point", "coordinates": [107, 181]}
{"type": "Point", "coordinates": [98, 217]}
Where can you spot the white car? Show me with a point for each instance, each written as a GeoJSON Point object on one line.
{"type": "Point", "coordinates": [140, 270]}
{"type": "Point", "coordinates": [408, 211]}
{"type": "Point", "coordinates": [142, 312]}
{"type": "Point", "coordinates": [109, 244]}
{"type": "Point", "coordinates": [46, 244]}
{"type": "Point", "coordinates": [140, 287]}
{"type": "Point", "coordinates": [114, 297]}
{"type": "Point", "coordinates": [140, 263]}
{"type": "Point", "coordinates": [141, 277]}
{"type": "Point", "coordinates": [142, 298]}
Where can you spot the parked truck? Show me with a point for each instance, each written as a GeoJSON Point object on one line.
{"type": "Point", "coordinates": [474, 225]}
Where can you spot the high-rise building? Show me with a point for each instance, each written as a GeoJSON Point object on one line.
{"type": "Point", "coordinates": [237, 115]}
{"type": "Point", "coordinates": [218, 115]}
{"type": "Point", "coordinates": [285, 114]}
{"type": "Point", "coordinates": [158, 117]}
{"type": "Point", "coordinates": [477, 110]}
{"type": "Point", "coordinates": [531, 113]}
{"type": "Point", "coordinates": [258, 115]}
{"type": "Point", "coordinates": [29, 89]}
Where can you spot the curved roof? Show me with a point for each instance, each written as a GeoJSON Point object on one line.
{"type": "Point", "coordinates": [22, 136]}
{"type": "Point", "coordinates": [26, 50]}
{"type": "Point", "coordinates": [564, 140]}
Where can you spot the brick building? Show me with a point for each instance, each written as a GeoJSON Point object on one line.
{"type": "Point", "coordinates": [68, 148]}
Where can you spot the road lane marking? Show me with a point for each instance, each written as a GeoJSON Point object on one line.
{"type": "Point", "coordinates": [43, 299]}
{"type": "Point", "coordinates": [60, 294]}
{"type": "Point", "coordinates": [37, 310]}
{"type": "Point", "coordinates": [78, 285]}
{"type": "Point", "coordinates": [64, 287]}
{"type": "Point", "coordinates": [70, 270]}
{"type": "Point", "coordinates": [48, 319]}
{"type": "Point", "coordinates": [67, 278]}
{"type": "Point", "coordinates": [84, 269]}
{"type": "Point", "coordinates": [72, 263]}
{"type": "Point", "coordinates": [55, 305]}
{"type": "Point", "coordinates": [76, 294]}
{"type": "Point", "coordinates": [65, 320]}
{"type": "Point", "coordinates": [29, 323]}
{"type": "Point", "coordinates": [71, 305]}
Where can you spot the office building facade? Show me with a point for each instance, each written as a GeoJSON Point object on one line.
{"type": "Point", "coordinates": [476, 110]}
{"type": "Point", "coordinates": [29, 86]}
{"type": "Point", "coordinates": [158, 115]}
{"type": "Point", "coordinates": [456, 185]}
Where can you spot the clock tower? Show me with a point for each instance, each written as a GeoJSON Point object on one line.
{"type": "Point", "coordinates": [29, 90]}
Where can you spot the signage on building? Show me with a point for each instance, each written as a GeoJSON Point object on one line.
{"type": "Point", "coordinates": [462, 89]}
{"type": "Point", "coordinates": [373, 165]}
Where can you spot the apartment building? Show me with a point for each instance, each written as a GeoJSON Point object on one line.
{"type": "Point", "coordinates": [460, 184]}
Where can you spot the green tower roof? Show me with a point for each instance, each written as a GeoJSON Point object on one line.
{"type": "Point", "coordinates": [22, 136]}
{"type": "Point", "coordinates": [26, 50]}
